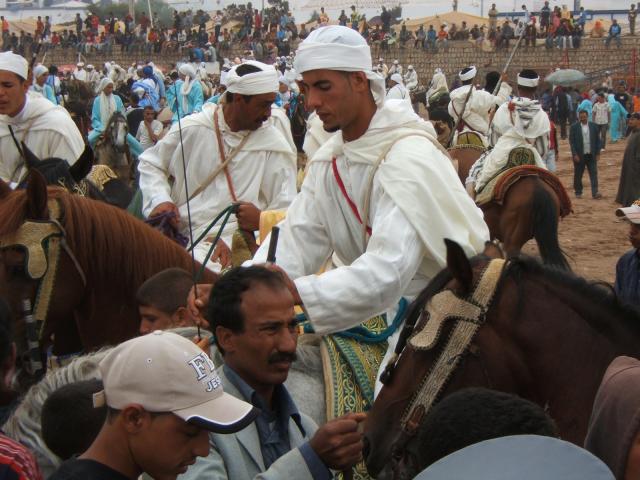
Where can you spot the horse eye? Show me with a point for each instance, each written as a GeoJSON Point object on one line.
{"type": "Point", "coordinates": [16, 270]}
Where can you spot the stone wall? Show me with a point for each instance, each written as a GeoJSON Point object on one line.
{"type": "Point", "coordinates": [592, 57]}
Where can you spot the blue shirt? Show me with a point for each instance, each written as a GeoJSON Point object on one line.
{"type": "Point", "coordinates": [627, 284]}
{"type": "Point", "coordinates": [273, 425]}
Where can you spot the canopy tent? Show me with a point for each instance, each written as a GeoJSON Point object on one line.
{"type": "Point", "coordinates": [346, 4]}
{"type": "Point", "coordinates": [449, 18]}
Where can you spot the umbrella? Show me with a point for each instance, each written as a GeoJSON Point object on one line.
{"type": "Point", "coordinates": [566, 77]}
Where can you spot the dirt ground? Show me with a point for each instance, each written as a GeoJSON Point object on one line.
{"type": "Point", "coordinates": [592, 236]}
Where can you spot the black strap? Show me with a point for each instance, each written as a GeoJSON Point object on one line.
{"type": "Point", "coordinates": [15, 141]}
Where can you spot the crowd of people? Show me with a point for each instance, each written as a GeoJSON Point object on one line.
{"type": "Point", "coordinates": [352, 245]}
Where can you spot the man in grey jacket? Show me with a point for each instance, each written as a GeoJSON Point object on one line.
{"type": "Point", "coordinates": [251, 313]}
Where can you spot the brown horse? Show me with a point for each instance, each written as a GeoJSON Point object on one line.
{"type": "Point", "coordinates": [107, 255]}
{"type": "Point", "coordinates": [466, 156]}
{"type": "Point", "coordinates": [545, 335]}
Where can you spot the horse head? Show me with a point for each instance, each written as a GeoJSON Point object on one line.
{"type": "Point", "coordinates": [117, 130]}
{"type": "Point", "coordinates": [515, 341]}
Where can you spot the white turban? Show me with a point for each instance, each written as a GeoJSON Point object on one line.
{"type": "Point", "coordinates": [103, 84]}
{"type": "Point", "coordinates": [339, 48]}
{"type": "Point", "coordinates": [80, 64]}
{"type": "Point", "coordinates": [283, 80]}
{"type": "Point", "coordinates": [39, 70]}
{"type": "Point", "coordinates": [17, 64]}
{"type": "Point", "coordinates": [265, 81]}
{"type": "Point", "coordinates": [187, 70]}
{"type": "Point", "coordinates": [470, 75]}
{"type": "Point", "coordinates": [223, 77]}
{"type": "Point", "coordinates": [396, 77]}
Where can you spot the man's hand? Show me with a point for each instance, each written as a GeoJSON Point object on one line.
{"type": "Point", "coordinates": [197, 304]}
{"type": "Point", "coordinates": [248, 216]}
{"type": "Point", "coordinates": [221, 254]}
{"type": "Point", "coordinates": [290, 284]}
{"type": "Point", "coordinates": [338, 443]}
{"type": "Point", "coordinates": [167, 207]}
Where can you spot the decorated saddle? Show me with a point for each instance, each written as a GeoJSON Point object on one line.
{"type": "Point", "coordinates": [469, 139]}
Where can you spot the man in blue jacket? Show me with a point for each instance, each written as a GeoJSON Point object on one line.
{"type": "Point", "coordinates": [585, 149]}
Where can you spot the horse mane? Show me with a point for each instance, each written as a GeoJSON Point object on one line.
{"type": "Point", "coordinates": [109, 243]}
{"type": "Point", "coordinates": [600, 293]}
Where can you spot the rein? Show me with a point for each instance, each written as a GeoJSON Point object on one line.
{"type": "Point", "coordinates": [469, 314]}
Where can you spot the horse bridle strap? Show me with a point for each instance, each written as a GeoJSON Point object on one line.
{"type": "Point", "coordinates": [469, 314]}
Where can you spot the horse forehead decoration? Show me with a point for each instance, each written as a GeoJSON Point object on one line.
{"type": "Point", "coordinates": [33, 236]}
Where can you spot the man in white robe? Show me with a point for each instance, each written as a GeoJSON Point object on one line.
{"type": "Point", "coordinates": [47, 129]}
{"type": "Point", "coordinates": [93, 77]}
{"type": "Point", "coordinates": [410, 78]}
{"type": "Point", "coordinates": [80, 73]}
{"type": "Point", "coordinates": [395, 68]}
{"type": "Point", "coordinates": [261, 170]}
{"type": "Point", "coordinates": [385, 157]}
{"type": "Point", "coordinates": [475, 114]}
{"type": "Point", "coordinates": [397, 90]}
{"type": "Point", "coordinates": [519, 123]}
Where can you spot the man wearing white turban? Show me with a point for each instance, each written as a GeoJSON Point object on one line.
{"type": "Point", "coordinates": [520, 122]}
{"type": "Point", "coordinates": [232, 154]}
{"type": "Point", "coordinates": [475, 113]}
{"type": "Point", "coordinates": [40, 74]}
{"type": "Point", "coordinates": [381, 194]}
{"type": "Point", "coordinates": [104, 106]}
{"type": "Point", "coordinates": [190, 97]}
{"type": "Point", "coordinates": [397, 90]}
{"type": "Point", "coordinates": [46, 128]}
{"type": "Point", "coordinates": [80, 73]}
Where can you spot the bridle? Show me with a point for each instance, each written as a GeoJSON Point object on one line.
{"type": "Point", "coordinates": [469, 314]}
{"type": "Point", "coordinates": [43, 242]}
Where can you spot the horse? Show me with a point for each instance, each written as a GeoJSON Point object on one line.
{"type": "Point", "coordinates": [305, 383]}
{"type": "Point", "coordinates": [112, 149]}
{"type": "Point", "coordinates": [78, 103]}
{"type": "Point", "coordinates": [83, 178]}
{"type": "Point", "coordinates": [530, 329]}
{"type": "Point", "coordinates": [82, 266]}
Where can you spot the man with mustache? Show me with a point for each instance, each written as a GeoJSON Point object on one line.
{"type": "Point", "coordinates": [231, 155]}
{"type": "Point", "coordinates": [251, 313]}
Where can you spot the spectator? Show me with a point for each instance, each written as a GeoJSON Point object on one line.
{"type": "Point", "coordinates": [614, 425]}
{"type": "Point", "coordinates": [622, 96]}
{"type": "Point", "coordinates": [421, 36]}
{"type": "Point", "coordinates": [545, 16]}
{"type": "Point", "coordinates": [432, 38]}
{"type": "Point", "coordinates": [602, 117]}
{"type": "Point", "coordinates": [615, 33]}
{"type": "Point", "coordinates": [443, 39]}
{"type": "Point", "coordinates": [632, 19]}
{"type": "Point", "coordinates": [343, 19]}
{"type": "Point", "coordinates": [355, 18]}
{"type": "Point", "coordinates": [629, 187]}
{"type": "Point", "coordinates": [148, 135]}
{"type": "Point", "coordinates": [217, 21]}
{"type": "Point", "coordinates": [162, 396]}
{"type": "Point", "coordinates": [323, 19]}
{"type": "Point", "coordinates": [472, 415]}
{"type": "Point", "coordinates": [527, 15]}
{"type": "Point", "coordinates": [530, 35]}
{"type": "Point", "coordinates": [493, 18]}
{"type": "Point", "coordinates": [560, 110]}
{"type": "Point", "coordinates": [585, 149]}
{"type": "Point", "coordinates": [72, 404]}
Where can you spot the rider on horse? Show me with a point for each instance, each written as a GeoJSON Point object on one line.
{"type": "Point", "coordinates": [104, 106]}
{"type": "Point", "coordinates": [360, 194]}
{"type": "Point", "coordinates": [474, 106]}
{"type": "Point", "coordinates": [45, 128]}
{"type": "Point", "coordinates": [518, 123]}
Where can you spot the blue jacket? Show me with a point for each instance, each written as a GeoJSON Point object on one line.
{"type": "Point", "coordinates": [575, 139]}
{"type": "Point", "coordinates": [627, 284]}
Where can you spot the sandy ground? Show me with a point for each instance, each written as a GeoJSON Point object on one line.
{"type": "Point", "coordinates": [592, 236]}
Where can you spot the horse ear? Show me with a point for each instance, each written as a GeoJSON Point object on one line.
{"type": "Point", "coordinates": [5, 189]}
{"type": "Point", "coordinates": [30, 157]}
{"type": "Point", "coordinates": [37, 196]}
{"type": "Point", "coordinates": [459, 264]}
{"type": "Point", "coordinates": [83, 165]}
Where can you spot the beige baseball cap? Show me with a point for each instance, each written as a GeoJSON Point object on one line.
{"type": "Point", "coordinates": [164, 372]}
{"type": "Point", "coordinates": [631, 213]}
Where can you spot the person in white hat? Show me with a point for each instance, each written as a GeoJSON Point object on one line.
{"type": "Point", "coordinates": [395, 68]}
{"type": "Point", "coordinates": [519, 123]}
{"type": "Point", "coordinates": [255, 165]}
{"type": "Point", "coordinates": [410, 78]}
{"type": "Point", "coordinates": [93, 76]}
{"type": "Point", "coordinates": [163, 397]}
{"type": "Point", "coordinates": [190, 97]}
{"type": "Point", "coordinates": [46, 129]}
{"type": "Point", "coordinates": [360, 194]}
{"type": "Point", "coordinates": [80, 73]}
{"type": "Point", "coordinates": [438, 85]}
{"type": "Point", "coordinates": [627, 284]}
{"type": "Point", "coordinates": [397, 90]}
{"type": "Point", "coordinates": [40, 75]}
{"type": "Point", "coordinates": [475, 114]}
{"type": "Point", "coordinates": [383, 69]}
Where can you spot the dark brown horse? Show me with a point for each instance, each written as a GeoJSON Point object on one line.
{"type": "Point", "coordinates": [547, 336]}
{"type": "Point", "coordinates": [112, 250]}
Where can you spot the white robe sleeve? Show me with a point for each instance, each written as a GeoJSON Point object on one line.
{"type": "Point", "coordinates": [155, 169]}
{"type": "Point", "coordinates": [345, 297]}
{"type": "Point", "coordinates": [278, 186]}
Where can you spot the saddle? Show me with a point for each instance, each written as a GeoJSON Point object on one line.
{"type": "Point", "coordinates": [497, 188]}
{"type": "Point", "coordinates": [467, 139]}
